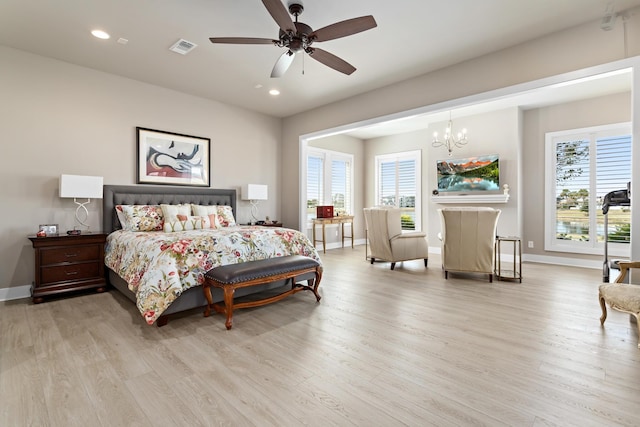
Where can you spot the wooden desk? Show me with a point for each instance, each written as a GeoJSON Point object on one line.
{"type": "Point", "coordinates": [342, 220]}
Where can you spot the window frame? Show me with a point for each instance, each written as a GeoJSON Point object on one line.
{"type": "Point", "coordinates": [591, 247]}
{"type": "Point", "coordinates": [328, 157]}
{"type": "Point", "coordinates": [415, 155]}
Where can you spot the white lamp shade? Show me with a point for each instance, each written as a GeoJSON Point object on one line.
{"type": "Point", "coordinates": [81, 187]}
{"type": "Point", "coordinates": [254, 192]}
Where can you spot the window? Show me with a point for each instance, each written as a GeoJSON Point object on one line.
{"type": "Point", "coordinates": [584, 165]}
{"type": "Point", "coordinates": [398, 179]}
{"type": "Point", "coordinates": [329, 181]}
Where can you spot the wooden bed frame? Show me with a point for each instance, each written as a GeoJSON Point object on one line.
{"type": "Point", "coordinates": [155, 195]}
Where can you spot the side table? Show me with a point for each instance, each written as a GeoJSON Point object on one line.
{"type": "Point", "coordinates": [503, 272]}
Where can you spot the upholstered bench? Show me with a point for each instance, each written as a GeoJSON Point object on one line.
{"type": "Point", "coordinates": [235, 276]}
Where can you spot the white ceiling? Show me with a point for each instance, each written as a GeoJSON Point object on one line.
{"type": "Point", "coordinates": [413, 37]}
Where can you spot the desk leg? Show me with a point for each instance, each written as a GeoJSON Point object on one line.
{"type": "Point", "coordinates": [342, 224]}
{"type": "Point", "coordinates": [352, 230]}
{"type": "Point", "coordinates": [313, 233]}
{"type": "Point", "coordinates": [324, 240]}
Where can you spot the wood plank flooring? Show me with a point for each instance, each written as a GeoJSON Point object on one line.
{"type": "Point", "coordinates": [382, 348]}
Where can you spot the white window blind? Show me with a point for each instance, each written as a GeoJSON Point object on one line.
{"type": "Point", "coordinates": [315, 180]}
{"type": "Point", "coordinates": [583, 166]}
{"type": "Point", "coordinates": [329, 181]}
{"type": "Point", "coordinates": [398, 184]}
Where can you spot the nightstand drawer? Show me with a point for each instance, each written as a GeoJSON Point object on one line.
{"type": "Point", "coordinates": [69, 254]}
{"type": "Point", "coordinates": [63, 273]}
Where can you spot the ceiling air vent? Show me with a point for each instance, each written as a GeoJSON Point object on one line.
{"type": "Point", "coordinates": [183, 47]}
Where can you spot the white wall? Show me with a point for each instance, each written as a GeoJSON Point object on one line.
{"type": "Point", "coordinates": [60, 118]}
{"type": "Point", "coordinates": [490, 133]}
{"type": "Point", "coordinates": [349, 145]}
{"type": "Point", "coordinates": [537, 122]}
{"type": "Point", "coordinates": [557, 53]}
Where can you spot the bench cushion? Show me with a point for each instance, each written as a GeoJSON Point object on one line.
{"type": "Point", "coordinates": [245, 271]}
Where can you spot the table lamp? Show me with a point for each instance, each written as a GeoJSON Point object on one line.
{"type": "Point", "coordinates": [254, 193]}
{"type": "Point", "coordinates": [81, 187]}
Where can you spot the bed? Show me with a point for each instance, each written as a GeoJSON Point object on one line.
{"type": "Point", "coordinates": [153, 283]}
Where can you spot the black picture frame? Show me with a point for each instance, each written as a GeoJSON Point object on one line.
{"type": "Point", "coordinates": [169, 158]}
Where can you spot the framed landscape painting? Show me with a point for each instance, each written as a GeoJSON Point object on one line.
{"type": "Point", "coordinates": [172, 158]}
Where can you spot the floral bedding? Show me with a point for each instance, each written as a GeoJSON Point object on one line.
{"type": "Point", "coordinates": [160, 266]}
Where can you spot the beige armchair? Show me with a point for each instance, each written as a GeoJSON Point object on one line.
{"type": "Point", "coordinates": [468, 239]}
{"type": "Point", "coordinates": [621, 296]}
{"type": "Point", "coordinates": [388, 243]}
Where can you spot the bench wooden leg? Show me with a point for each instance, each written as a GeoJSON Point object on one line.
{"type": "Point", "coordinates": [207, 294]}
{"type": "Point", "coordinates": [229, 291]}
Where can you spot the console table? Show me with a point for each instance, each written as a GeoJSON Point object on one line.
{"type": "Point", "coordinates": [342, 220]}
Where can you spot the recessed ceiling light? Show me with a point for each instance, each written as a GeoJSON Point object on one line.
{"type": "Point", "coordinates": [274, 92]}
{"type": "Point", "coordinates": [258, 86]}
{"type": "Point", "coordinates": [100, 34]}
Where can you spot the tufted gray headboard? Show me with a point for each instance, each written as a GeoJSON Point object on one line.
{"type": "Point", "coordinates": [150, 195]}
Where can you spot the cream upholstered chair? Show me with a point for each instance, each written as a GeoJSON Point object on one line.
{"type": "Point", "coordinates": [388, 243]}
{"type": "Point", "coordinates": [621, 296]}
{"type": "Point", "coordinates": [468, 239]}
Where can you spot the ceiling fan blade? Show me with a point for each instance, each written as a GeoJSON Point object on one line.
{"type": "Point", "coordinates": [330, 60]}
{"type": "Point", "coordinates": [280, 14]}
{"type": "Point", "coordinates": [241, 40]}
{"type": "Point", "coordinates": [344, 28]}
{"type": "Point", "coordinates": [283, 63]}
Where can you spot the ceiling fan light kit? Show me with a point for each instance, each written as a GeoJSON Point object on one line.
{"type": "Point", "coordinates": [298, 36]}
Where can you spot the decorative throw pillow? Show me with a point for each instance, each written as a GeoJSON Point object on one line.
{"type": "Point", "coordinates": [187, 222]}
{"type": "Point", "coordinates": [221, 216]}
{"type": "Point", "coordinates": [225, 216]}
{"type": "Point", "coordinates": [171, 212]}
{"type": "Point", "coordinates": [121, 217]}
{"type": "Point", "coordinates": [141, 217]}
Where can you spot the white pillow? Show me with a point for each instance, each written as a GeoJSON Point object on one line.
{"type": "Point", "coordinates": [171, 212]}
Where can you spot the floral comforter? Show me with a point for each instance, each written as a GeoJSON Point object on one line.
{"type": "Point", "coordinates": [160, 266]}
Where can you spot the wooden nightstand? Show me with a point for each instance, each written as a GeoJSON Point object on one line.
{"type": "Point", "coordinates": [271, 224]}
{"type": "Point", "coordinates": [67, 264]}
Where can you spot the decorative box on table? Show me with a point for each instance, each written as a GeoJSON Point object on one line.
{"type": "Point", "coordinates": [324, 211]}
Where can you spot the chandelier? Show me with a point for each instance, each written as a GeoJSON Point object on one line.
{"type": "Point", "coordinates": [450, 141]}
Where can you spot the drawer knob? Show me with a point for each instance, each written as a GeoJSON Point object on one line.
{"type": "Point", "coordinates": [71, 273]}
{"type": "Point", "coordinates": [72, 255]}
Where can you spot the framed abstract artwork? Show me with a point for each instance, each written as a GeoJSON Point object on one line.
{"type": "Point", "coordinates": [172, 158]}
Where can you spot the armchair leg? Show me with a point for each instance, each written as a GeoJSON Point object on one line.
{"type": "Point", "coordinates": [490, 278]}
{"type": "Point", "coordinates": [603, 306]}
{"type": "Point", "coordinates": [372, 260]}
{"type": "Point", "coordinates": [393, 264]}
{"type": "Point", "coordinates": [446, 275]}
{"type": "Point", "coordinates": [425, 262]}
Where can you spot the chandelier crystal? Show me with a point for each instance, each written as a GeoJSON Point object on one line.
{"type": "Point", "coordinates": [450, 141]}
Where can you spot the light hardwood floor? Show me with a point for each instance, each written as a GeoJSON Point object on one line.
{"type": "Point", "coordinates": [382, 348]}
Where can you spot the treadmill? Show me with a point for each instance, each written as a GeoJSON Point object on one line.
{"type": "Point", "coordinates": [613, 198]}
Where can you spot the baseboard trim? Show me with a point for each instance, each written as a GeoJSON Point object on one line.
{"type": "Point", "coordinates": [569, 262]}
{"type": "Point", "coordinates": [19, 292]}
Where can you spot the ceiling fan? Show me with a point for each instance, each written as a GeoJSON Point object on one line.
{"type": "Point", "coordinates": [297, 36]}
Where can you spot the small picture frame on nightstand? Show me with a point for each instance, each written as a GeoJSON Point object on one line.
{"type": "Point", "coordinates": [48, 229]}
